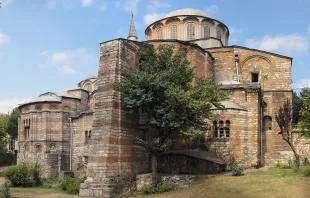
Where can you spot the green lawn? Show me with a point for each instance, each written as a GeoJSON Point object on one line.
{"type": "Point", "coordinates": [274, 183]}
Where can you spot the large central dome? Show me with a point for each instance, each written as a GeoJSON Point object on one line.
{"type": "Point", "coordinates": [187, 11]}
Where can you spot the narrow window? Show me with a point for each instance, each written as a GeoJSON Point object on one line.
{"type": "Point", "coordinates": [221, 126]}
{"type": "Point", "coordinates": [38, 148]}
{"type": "Point", "coordinates": [86, 137]}
{"type": "Point", "coordinates": [190, 31]}
{"type": "Point", "coordinates": [160, 33]}
{"type": "Point", "coordinates": [215, 129]}
{"type": "Point", "coordinates": [89, 135]}
{"type": "Point", "coordinates": [173, 32]}
{"type": "Point", "coordinates": [227, 129]}
{"type": "Point", "coordinates": [267, 123]}
{"type": "Point", "coordinates": [255, 77]}
{"type": "Point", "coordinates": [206, 31]}
{"type": "Point", "coordinates": [219, 34]}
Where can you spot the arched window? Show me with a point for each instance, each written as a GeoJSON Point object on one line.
{"type": "Point", "coordinates": [267, 123]}
{"type": "Point", "coordinates": [219, 34]}
{"type": "Point", "coordinates": [89, 135]}
{"type": "Point", "coordinates": [173, 32]}
{"type": "Point", "coordinates": [26, 147]}
{"type": "Point", "coordinates": [206, 31]}
{"type": "Point", "coordinates": [227, 129]}
{"type": "Point", "coordinates": [221, 126]}
{"type": "Point", "coordinates": [160, 33]}
{"type": "Point", "coordinates": [53, 147]}
{"type": "Point", "coordinates": [215, 129]}
{"type": "Point", "coordinates": [190, 31]}
{"type": "Point", "coordinates": [38, 148]}
{"type": "Point", "coordinates": [264, 107]}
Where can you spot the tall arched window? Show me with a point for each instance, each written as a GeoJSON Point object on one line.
{"type": "Point", "coordinates": [227, 129]}
{"type": "Point", "coordinates": [173, 32]}
{"type": "Point", "coordinates": [221, 126]}
{"type": "Point", "coordinates": [267, 123]}
{"type": "Point", "coordinates": [206, 31]}
{"type": "Point", "coordinates": [160, 33]}
{"type": "Point", "coordinates": [219, 34]}
{"type": "Point", "coordinates": [190, 31]}
{"type": "Point", "coordinates": [215, 129]}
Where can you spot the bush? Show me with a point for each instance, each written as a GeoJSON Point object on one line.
{"type": "Point", "coordinates": [307, 172]}
{"type": "Point", "coordinates": [49, 183]}
{"type": "Point", "coordinates": [153, 189]}
{"type": "Point", "coordinates": [306, 161]}
{"type": "Point", "coordinates": [24, 175]}
{"type": "Point", "coordinates": [70, 185]}
{"type": "Point", "coordinates": [237, 170]}
{"type": "Point", "coordinates": [278, 163]}
{"type": "Point", "coordinates": [5, 190]}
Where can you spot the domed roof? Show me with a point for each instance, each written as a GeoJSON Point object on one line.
{"type": "Point", "coordinates": [187, 11]}
{"type": "Point", "coordinates": [230, 105]}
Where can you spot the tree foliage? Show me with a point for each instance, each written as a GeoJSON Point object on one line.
{"type": "Point", "coordinates": [12, 125]}
{"type": "Point", "coordinates": [305, 113]}
{"type": "Point", "coordinates": [298, 104]}
{"type": "Point", "coordinates": [166, 93]}
{"type": "Point", "coordinates": [284, 119]}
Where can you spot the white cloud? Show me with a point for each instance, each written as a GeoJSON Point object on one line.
{"type": "Point", "coordinates": [292, 42]}
{"type": "Point", "coordinates": [6, 3]}
{"type": "Point", "coordinates": [157, 4]}
{"type": "Point", "coordinates": [150, 18]}
{"type": "Point", "coordinates": [68, 61]}
{"type": "Point", "coordinates": [3, 38]}
{"type": "Point", "coordinates": [67, 70]}
{"type": "Point", "coordinates": [302, 84]}
{"type": "Point", "coordinates": [86, 3]}
{"type": "Point", "coordinates": [7, 105]}
{"type": "Point", "coordinates": [212, 10]}
{"type": "Point", "coordinates": [234, 34]}
{"type": "Point", "coordinates": [128, 5]}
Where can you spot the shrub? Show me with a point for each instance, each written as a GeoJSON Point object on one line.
{"type": "Point", "coordinates": [306, 161]}
{"type": "Point", "coordinates": [237, 170]}
{"type": "Point", "coordinates": [153, 189]}
{"type": "Point", "coordinates": [49, 183]}
{"type": "Point", "coordinates": [24, 175]}
{"type": "Point", "coordinates": [278, 163]}
{"type": "Point", "coordinates": [5, 190]}
{"type": "Point", "coordinates": [307, 172]}
{"type": "Point", "coordinates": [70, 185]}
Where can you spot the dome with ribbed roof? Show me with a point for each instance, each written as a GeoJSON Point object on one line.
{"type": "Point", "coordinates": [187, 11]}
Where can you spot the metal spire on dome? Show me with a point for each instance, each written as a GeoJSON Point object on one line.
{"type": "Point", "coordinates": [132, 30]}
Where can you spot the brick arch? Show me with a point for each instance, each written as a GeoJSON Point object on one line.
{"type": "Point", "coordinates": [38, 107]}
{"type": "Point", "coordinates": [66, 108]}
{"type": "Point", "coordinates": [53, 107]}
{"type": "Point", "coordinates": [257, 57]}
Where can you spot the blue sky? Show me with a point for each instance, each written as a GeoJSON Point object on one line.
{"type": "Point", "coordinates": [47, 45]}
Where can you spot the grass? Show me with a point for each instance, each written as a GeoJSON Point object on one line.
{"type": "Point", "coordinates": [274, 183]}
{"type": "Point", "coordinates": [37, 192]}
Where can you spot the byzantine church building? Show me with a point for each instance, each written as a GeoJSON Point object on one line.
{"type": "Point", "coordinates": [84, 129]}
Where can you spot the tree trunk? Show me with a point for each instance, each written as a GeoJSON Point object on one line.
{"type": "Point", "coordinates": [154, 169]}
{"type": "Point", "coordinates": [295, 153]}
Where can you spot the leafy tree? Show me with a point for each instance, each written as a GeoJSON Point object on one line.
{"type": "Point", "coordinates": [12, 125]}
{"type": "Point", "coordinates": [3, 132]}
{"type": "Point", "coordinates": [305, 114]}
{"type": "Point", "coordinates": [172, 103]}
{"type": "Point", "coordinates": [297, 104]}
{"type": "Point", "coordinates": [284, 119]}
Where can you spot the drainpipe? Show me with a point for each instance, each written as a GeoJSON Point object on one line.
{"type": "Point", "coordinates": [70, 126]}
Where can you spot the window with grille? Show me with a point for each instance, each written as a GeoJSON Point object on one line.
{"type": "Point", "coordinates": [38, 148]}
{"type": "Point", "coordinates": [190, 31]}
{"type": "Point", "coordinates": [160, 33]}
{"type": "Point", "coordinates": [267, 123]}
{"type": "Point", "coordinates": [221, 130]}
{"type": "Point", "coordinates": [27, 129]}
{"type": "Point", "coordinates": [206, 31]}
{"type": "Point", "coordinates": [173, 32]}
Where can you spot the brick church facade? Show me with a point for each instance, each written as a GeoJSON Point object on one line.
{"type": "Point", "coordinates": [84, 128]}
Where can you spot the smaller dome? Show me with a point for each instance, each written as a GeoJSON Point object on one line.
{"type": "Point", "coordinates": [93, 75]}
{"type": "Point", "coordinates": [187, 11]}
{"type": "Point", "coordinates": [230, 105]}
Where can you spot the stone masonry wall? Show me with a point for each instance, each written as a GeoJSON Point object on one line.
{"type": "Point", "coordinates": [113, 162]}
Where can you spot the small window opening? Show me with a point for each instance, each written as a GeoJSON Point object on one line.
{"type": "Point", "coordinates": [255, 77]}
